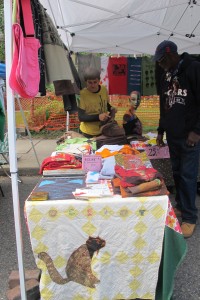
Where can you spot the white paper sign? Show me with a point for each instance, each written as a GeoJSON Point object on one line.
{"type": "Point", "coordinates": [91, 162]}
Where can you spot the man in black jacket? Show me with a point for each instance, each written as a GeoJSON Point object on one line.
{"type": "Point", "coordinates": [180, 119]}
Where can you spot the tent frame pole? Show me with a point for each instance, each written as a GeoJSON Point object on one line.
{"type": "Point", "coordinates": [12, 145]}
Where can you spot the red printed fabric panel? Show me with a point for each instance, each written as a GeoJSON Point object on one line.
{"type": "Point", "coordinates": [117, 74]}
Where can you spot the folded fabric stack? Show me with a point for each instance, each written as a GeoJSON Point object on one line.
{"type": "Point", "coordinates": [108, 168]}
{"type": "Point", "coordinates": [60, 161]}
{"type": "Point", "coordinates": [111, 150]}
{"type": "Point", "coordinates": [133, 178]}
{"type": "Point", "coordinates": [77, 146]}
{"type": "Point", "coordinates": [108, 154]}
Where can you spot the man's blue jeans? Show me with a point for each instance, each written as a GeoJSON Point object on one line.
{"type": "Point", "coordinates": [185, 164]}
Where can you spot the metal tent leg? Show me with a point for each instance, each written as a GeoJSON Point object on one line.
{"type": "Point", "coordinates": [18, 177]}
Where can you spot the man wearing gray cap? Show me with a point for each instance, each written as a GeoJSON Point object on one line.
{"type": "Point", "coordinates": [180, 119]}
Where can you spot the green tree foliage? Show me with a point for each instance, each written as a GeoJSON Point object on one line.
{"type": "Point", "coordinates": [2, 41]}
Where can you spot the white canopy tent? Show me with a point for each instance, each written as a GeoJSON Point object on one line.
{"type": "Point", "coordinates": [126, 27]}
{"type": "Point", "coordinates": [106, 26]}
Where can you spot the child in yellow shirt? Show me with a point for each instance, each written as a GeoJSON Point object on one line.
{"type": "Point", "coordinates": [94, 106]}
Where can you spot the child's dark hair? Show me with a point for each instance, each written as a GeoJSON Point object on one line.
{"type": "Point", "coordinates": [91, 73]}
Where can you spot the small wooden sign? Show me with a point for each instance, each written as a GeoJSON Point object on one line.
{"type": "Point", "coordinates": [155, 152]}
{"type": "Point", "coordinates": [39, 196]}
{"type": "Point", "coordinates": [91, 162]}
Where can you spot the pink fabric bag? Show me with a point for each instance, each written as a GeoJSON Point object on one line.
{"type": "Point", "coordinates": [25, 73]}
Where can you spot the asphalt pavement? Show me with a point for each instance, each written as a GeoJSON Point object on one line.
{"type": "Point", "coordinates": [187, 280]}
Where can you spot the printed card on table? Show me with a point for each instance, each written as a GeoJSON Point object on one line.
{"type": "Point", "coordinates": [92, 162]}
{"type": "Point", "coordinates": [97, 190]}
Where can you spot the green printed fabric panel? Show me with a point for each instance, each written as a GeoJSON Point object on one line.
{"type": "Point", "coordinates": [148, 77]}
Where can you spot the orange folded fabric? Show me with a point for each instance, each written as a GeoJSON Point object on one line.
{"type": "Point", "coordinates": [106, 153]}
{"type": "Point", "coordinates": [116, 182]}
{"type": "Point", "coordinates": [127, 149]}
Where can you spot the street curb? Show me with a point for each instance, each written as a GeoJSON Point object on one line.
{"type": "Point", "coordinates": [33, 171]}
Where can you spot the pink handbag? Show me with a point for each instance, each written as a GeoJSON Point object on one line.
{"type": "Point", "coordinates": [25, 73]}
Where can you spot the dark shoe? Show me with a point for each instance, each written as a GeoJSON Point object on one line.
{"type": "Point", "coordinates": [177, 212]}
{"type": "Point", "coordinates": [187, 229]}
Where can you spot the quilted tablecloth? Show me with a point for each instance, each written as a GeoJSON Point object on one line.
{"type": "Point", "coordinates": [99, 249]}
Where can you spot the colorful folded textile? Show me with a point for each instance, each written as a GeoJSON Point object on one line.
{"type": "Point", "coordinates": [128, 161]}
{"type": "Point", "coordinates": [60, 161]}
{"type": "Point", "coordinates": [126, 149]}
{"type": "Point", "coordinates": [125, 192]}
{"type": "Point", "coordinates": [137, 175]}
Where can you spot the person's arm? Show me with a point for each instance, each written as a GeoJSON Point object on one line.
{"type": "Point", "coordinates": [112, 110]}
{"type": "Point", "coordinates": [194, 80]}
{"type": "Point", "coordinates": [109, 107]}
{"type": "Point", "coordinates": [84, 117]}
{"type": "Point", "coordinates": [159, 138]}
{"type": "Point", "coordinates": [160, 129]}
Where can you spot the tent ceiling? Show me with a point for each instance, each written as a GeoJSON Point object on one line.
{"type": "Point", "coordinates": [126, 27]}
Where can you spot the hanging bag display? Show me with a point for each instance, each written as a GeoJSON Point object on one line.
{"type": "Point", "coordinates": [25, 73]}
